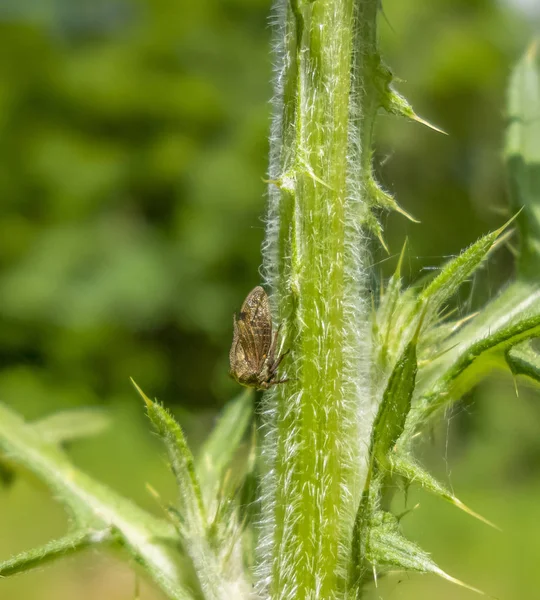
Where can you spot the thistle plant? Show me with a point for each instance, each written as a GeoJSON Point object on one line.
{"type": "Point", "coordinates": [305, 514]}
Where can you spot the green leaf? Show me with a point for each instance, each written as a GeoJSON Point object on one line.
{"type": "Point", "coordinates": [523, 157]}
{"type": "Point", "coordinates": [524, 359]}
{"type": "Point", "coordinates": [518, 300]}
{"type": "Point", "coordinates": [412, 472]}
{"type": "Point", "coordinates": [72, 424]}
{"type": "Point", "coordinates": [151, 541]}
{"type": "Point", "coordinates": [69, 544]}
{"type": "Point", "coordinates": [394, 408]}
{"type": "Point", "coordinates": [471, 362]}
{"type": "Point", "coordinates": [212, 563]}
{"type": "Point", "coordinates": [388, 549]}
{"type": "Point", "coordinates": [191, 508]}
{"type": "Point", "coordinates": [220, 446]}
{"type": "Point", "coordinates": [456, 271]}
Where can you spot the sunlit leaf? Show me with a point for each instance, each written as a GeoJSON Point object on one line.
{"type": "Point", "coordinates": [454, 273]}
{"type": "Point", "coordinates": [412, 472]}
{"type": "Point", "coordinates": [388, 549]}
{"type": "Point", "coordinates": [470, 362]}
{"type": "Point", "coordinates": [523, 156]}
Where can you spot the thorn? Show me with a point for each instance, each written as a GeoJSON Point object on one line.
{"type": "Point", "coordinates": [405, 213]}
{"type": "Point", "coordinates": [397, 272]}
{"type": "Point", "coordinates": [508, 223]}
{"type": "Point", "coordinates": [444, 575]}
{"type": "Point", "coordinates": [310, 172]}
{"type": "Point", "coordinates": [276, 182]}
{"type": "Point", "coordinates": [383, 243]}
{"type": "Point", "coordinates": [514, 379]}
{"type": "Point", "coordinates": [471, 512]}
{"type": "Point", "coordinates": [396, 104]}
{"type": "Point", "coordinates": [141, 393]}
{"type": "Point", "coordinates": [375, 576]}
{"type": "Point", "coordinates": [407, 512]}
{"type": "Point", "coordinates": [386, 200]}
{"type": "Point", "coordinates": [418, 119]}
{"type": "Point", "coordinates": [282, 183]}
{"type": "Point", "coordinates": [461, 322]}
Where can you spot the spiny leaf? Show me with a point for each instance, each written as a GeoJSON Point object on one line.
{"type": "Point", "coordinates": [392, 102]}
{"type": "Point", "coordinates": [151, 541]}
{"type": "Point", "coordinates": [524, 359]}
{"type": "Point", "coordinates": [220, 446]}
{"type": "Point", "coordinates": [190, 519]}
{"type": "Point", "coordinates": [519, 299]}
{"type": "Point", "coordinates": [73, 424]}
{"type": "Point", "coordinates": [381, 199]}
{"type": "Point", "coordinates": [455, 272]}
{"type": "Point", "coordinates": [69, 544]}
{"type": "Point", "coordinates": [523, 156]}
{"type": "Point", "coordinates": [191, 506]}
{"type": "Point", "coordinates": [397, 105]}
{"type": "Point", "coordinates": [387, 548]}
{"type": "Point", "coordinates": [449, 387]}
{"type": "Point", "coordinates": [369, 220]}
{"type": "Point", "coordinates": [413, 473]}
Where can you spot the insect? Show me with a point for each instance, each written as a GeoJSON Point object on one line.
{"type": "Point", "coordinates": [253, 351]}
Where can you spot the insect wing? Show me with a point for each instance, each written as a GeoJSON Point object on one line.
{"type": "Point", "coordinates": [241, 369]}
{"type": "Point", "coordinates": [254, 326]}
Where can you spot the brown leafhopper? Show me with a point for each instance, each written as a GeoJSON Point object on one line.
{"type": "Point", "coordinates": [253, 351]}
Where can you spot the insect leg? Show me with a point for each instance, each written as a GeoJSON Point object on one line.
{"type": "Point", "coordinates": [272, 351]}
{"type": "Point", "coordinates": [273, 368]}
{"type": "Point", "coordinates": [279, 381]}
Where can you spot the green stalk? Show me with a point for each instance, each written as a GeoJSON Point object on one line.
{"type": "Point", "coordinates": [318, 423]}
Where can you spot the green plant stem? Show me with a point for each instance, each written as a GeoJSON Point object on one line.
{"type": "Point", "coordinates": [320, 169]}
{"type": "Point", "coordinates": [68, 545]}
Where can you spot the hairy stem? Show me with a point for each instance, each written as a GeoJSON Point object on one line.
{"type": "Point", "coordinates": [318, 424]}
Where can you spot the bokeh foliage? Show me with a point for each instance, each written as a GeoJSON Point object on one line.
{"type": "Point", "coordinates": [132, 148]}
{"type": "Point", "coordinates": [132, 151]}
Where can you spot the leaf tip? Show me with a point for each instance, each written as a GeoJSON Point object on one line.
{"type": "Point", "coordinates": [462, 584]}
{"type": "Point", "coordinates": [147, 400]}
{"type": "Point", "coordinates": [398, 105]}
{"type": "Point", "coordinates": [456, 502]}
{"type": "Point", "coordinates": [505, 226]}
{"type": "Point", "coordinates": [426, 123]}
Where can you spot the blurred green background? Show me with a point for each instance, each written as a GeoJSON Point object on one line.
{"type": "Point", "coordinates": [133, 144]}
